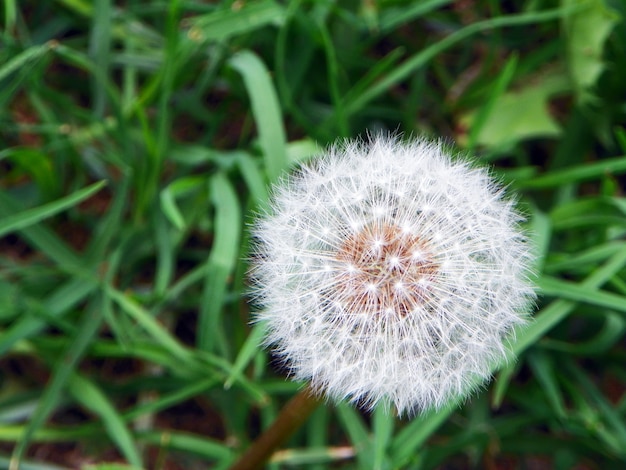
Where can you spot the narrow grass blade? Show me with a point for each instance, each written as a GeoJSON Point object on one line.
{"type": "Point", "coordinates": [415, 434]}
{"type": "Point", "coordinates": [22, 60]}
{"type": "Point", "coordinates": [10, 14]}
{"type": "Point", "coordinates": [555, 312]}
{"type": "Point", "coordinates": [599, 169]}
{"type": "Point", "coordinates": [333, 80]}
{"type": "Point", "coordinates": [186, 442]}
{"type": "Point", "coordinates": [383, 424]}
{"type": "Point", "coordinates": [246, 354]}
{"type": "Point", "coordinates": [100, 51]}
{"type": "Point", "coordinates": [166, 254]}
{"type": "Point", "coordinates": [540, 230]}
{"type": "Point", "coordinates": [32, 216]}
{"type": "Point", "coordinates": [253, 177]}
{"type": "Point", "coordinates": [393, 17]}
{"type": "Point", "coordinates": [495, 92]}
{"type": "Point", "coordinates": [607, 337]}
{"type": "Point", "coordinates": [318, 434]}
{"type": "Point", "coordinates": [590, 257]}
{"type": "Point", "coordinates": [544, 371]}
{"type": "Point", "coordinates": [225, 23]}
{"type": "Point", "coordinates": [266, 110]}
{"type": "Point", "coordinates": [405, 69]}
{"type": "Point", "coordinates": [58, 303]}
{"type": "Point", "coordinates": [64, 369]}
{"type": "Point", "coordinates": [222, 260]}
{"type": "Point", "coordinates": [580, 293]}
{"type": "Point", "coordinates": [149, 324]}
{"type": "Point", "coordinates": [615, 422]}
{"type": "Point", "coordinates": [501, 384]}
{"type": "Point", "coordinates": [171, 399]}
{"type": "Point", "coordinates": [176, 189]}
{"type": "Point", "coordinates": [357, 432]}
{"type": "Point", "coordinates": [91, 397]}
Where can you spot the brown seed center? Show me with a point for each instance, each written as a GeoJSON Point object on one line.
{"type": "Point", "coordinates": [384, 271]}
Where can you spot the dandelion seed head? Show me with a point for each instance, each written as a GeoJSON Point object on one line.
{"type": "Point", "coordinates": [388, 271]}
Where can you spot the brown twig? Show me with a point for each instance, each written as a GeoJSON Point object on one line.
{"type": "Point", "coordinates": [290, 418]}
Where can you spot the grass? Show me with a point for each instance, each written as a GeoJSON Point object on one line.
{"type": "Point", "coordinates": [138, 137]}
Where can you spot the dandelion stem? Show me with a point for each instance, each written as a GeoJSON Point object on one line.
{"type": "Point", "coordinates": [290, 418]}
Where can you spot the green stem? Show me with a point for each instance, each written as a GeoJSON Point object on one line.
{"type": "Point", "coordinates": [290, 418]}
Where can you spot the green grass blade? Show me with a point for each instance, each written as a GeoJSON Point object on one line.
{"type": "Point", "coordinates": [615, 432]}
{"type": "Point", "coordinates": [393, 17]}
{"type": "Point", "coordinates": [266, 110]}
{"type": "Point", "coordinates": [608, 336]}
{"type": "Point", "coordinates": [581, 293]}
{"type": "Point", "coordinates": [383, 423]}
{"type": "Point", "coordinates": [222, 260]}
{"type": "Point", "coordinates": [91, 397]}
{"type": "Point", "coordinates": [253, 177]}
{"type": "Point", "coordinates": [201, 446]}
{"type": "Point", "coordinates": [496, 90]}
{"type": "Point", "coordinates": [544, 371]}
{"type": "Point", "coordinates": [590, 257]}
{"type": "Point", "coordinates": [35, 215]}
{"type": "Point", "coordinates": [224, 23]}
{"type": "Point", "coordinates": [405, 69]}
{"type": "Point", "coordinates": [357, 432]}
{"type": "Point", "coordinates": [100, 51]}
{"type": "Point", "coordinates": [26, 465]}
{"type": "Point", "coordinates": [64, 368]}
{"type": "Point", "coordinates": [166, 254]}
{"type": "Point", "coordinates": [163, 402]}
{"type": "Point", "coordinates": [149, 324]}
{"type": "Point", "coordinates": [556, 311]}
{"type": "Point", "coordinates": [24, 59]}
{"type": "Point", "coordinates": [540, 230]}
{"type": "Point", "coordinates": [57, 303]}
{"type": "Point", "coordinates": [414, 435]}
{"type": "Point", "coordinates": [576, 174]}
{"type": "Point", "coordinates": [246, 354]}
{"type": "Point", "coordinates": [10, 14]}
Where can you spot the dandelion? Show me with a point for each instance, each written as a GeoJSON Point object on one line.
{"type": "Point", "coordinates": [391, 272]}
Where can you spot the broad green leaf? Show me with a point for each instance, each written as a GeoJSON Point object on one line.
{"type": "Point", "coordinates": [586, 32]}
{"type": "Point", "coordinates": [520, 114]}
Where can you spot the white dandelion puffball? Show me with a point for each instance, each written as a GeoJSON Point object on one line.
{"type": "Point", "coordinates": [387, 271]}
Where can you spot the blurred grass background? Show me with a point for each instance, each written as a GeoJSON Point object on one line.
{"type": "Point", "coordinates": [138, 137]}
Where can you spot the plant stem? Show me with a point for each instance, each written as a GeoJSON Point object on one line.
{"type": "Point", "coordinates": [290, 418]}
